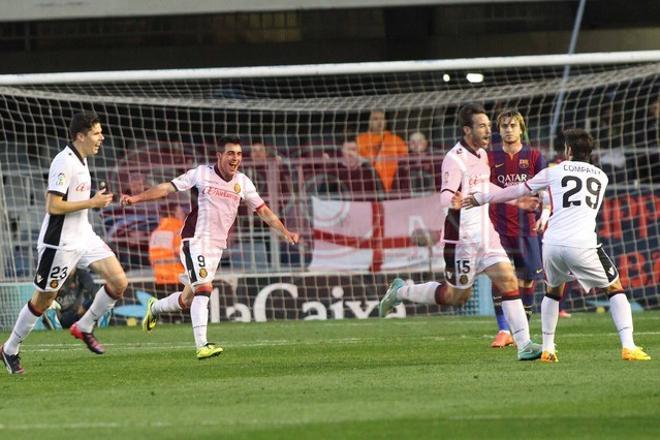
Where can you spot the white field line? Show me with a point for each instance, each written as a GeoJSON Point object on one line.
{"type": "Point", "coordinates": [212, 423]}
{"type": "Point", "coordinates": [132, 346]}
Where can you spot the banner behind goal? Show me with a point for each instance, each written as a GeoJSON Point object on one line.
{"type": "Point", "coordinates": [360, 226]}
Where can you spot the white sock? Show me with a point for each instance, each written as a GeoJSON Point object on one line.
{"type": "Point", "coordinates": [199, 314]}
{"type": "Point", "coordinates": [168, 304]}
{"type": "Point", "coordinates": [514, 312]}
{"type": "Point", "coordinates": [101, 304]}
{"type": "Point", "coordinates": [622, 317]}
{"type": "Point", "coordinates": [24, 325]}
{"type": "Point", "coordinates": [419, 293]}
{"type": "Point", "coordinates": [549, 318]}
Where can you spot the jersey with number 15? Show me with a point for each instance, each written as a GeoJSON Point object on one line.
{"type": "Point", "coordinates": [576, 191]}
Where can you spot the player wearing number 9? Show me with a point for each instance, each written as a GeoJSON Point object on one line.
{"type": "Point", "coordinates": [570, 244]}
{"type": "Point", "coordinates": [216, 192]}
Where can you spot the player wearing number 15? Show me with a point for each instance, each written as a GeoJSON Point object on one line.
{"type": "Point", "coordinates": [570, 244]}
{"type": "Point", "coordinates": [67, 240]}
{"type": "Point", "coordinates": [471, 244]}
{"type": "Point", "coordinates": [216, 192]}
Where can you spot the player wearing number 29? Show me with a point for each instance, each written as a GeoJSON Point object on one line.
{"type": "Point", "coordinates": [471, 244]}
{"type": "Point", "coordinates": [67, 240]}
{"type": "Point", "coordinates": [570, 244]}
{"type": "Point", "coordinates": [216, 192]}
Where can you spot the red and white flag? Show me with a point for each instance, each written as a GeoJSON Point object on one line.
{"type": "Point", "coordinates": [375, 236]}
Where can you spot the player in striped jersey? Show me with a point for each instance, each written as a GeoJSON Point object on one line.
{"type": "Point", "coordinates": [471, 244]}
{"type": "Point", "coordinates": [570, 244]}
{"type": "Point", "coordinates": [67, 240]}
{"type": "Point", "coordinates": [511, 163]}
{"type": "Point", "coordinates": [216, 192]}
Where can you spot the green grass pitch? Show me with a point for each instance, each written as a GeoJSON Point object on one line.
{"type": "Point", "coordinates": [416, 378]}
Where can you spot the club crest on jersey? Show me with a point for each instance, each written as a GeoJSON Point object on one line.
{"type": "Point", "coordinates": [523, 163]}
{"type": "Point", "coordinates": [60, 179]}
{"type": "Point", "coordinates": [54, 284]}
{"type": "Point", "coordinates": [237, 188]}
{"type": "Point", "coordinates": [203, 273]}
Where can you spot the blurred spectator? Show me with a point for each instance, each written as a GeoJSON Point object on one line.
{"type": "Point", "coordinates": [258, 152]}
{"type": "Point", "coordinates": [609, 152]}
{"type": "Point", "coordinates": [270, 175]}
{"type": "Point", "coordinates": [647, 163]}
{"type": "Point", "coordinates": [165, 243]}
{"type": "Point", "coordinates": [356, 178]}
{"type": "Point", "coordinates": [417, 143]}
{"type": "Point", "coordinates": [136, 183]}
{"type": "Point", "coordinates": [382, 148]}
{"type": "Point", "coordinates": [419, 172]}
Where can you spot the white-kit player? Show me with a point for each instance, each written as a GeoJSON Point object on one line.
{"type": "Point", "coordinates": [570, 245]}
{"type": "Point", "coordinates": [67, 241]}
{"type": "Point", "coordinates": [470, 243]}
{"type": "Point", "coordinates": [216, 192]}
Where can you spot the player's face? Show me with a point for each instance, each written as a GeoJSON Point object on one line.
{"type": "Point", "coordinates": [91, 142]}
{"type": "Point", "coordinates": [510, 131]}
{"type": "Point", "coordinates": [478, 135]}
{"type": "Point", "coordinates": [230, 159]}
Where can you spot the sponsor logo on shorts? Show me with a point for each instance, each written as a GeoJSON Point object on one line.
{"type": "Point", "coordinates": [54, 284]}
{"type": "Point", "coordinates": [203, 273]}
{"type": "Point", "coordinates": [237, 188]}
{"type": "Point", "coordinates": [463, 279]}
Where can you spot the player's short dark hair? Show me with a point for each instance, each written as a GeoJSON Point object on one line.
{"type": "Point", "coordinates": [511, 113]}
{"type": "Point", "coordinates": [581, 143]}
{"type": "Point", "coordinates": [224, 140]}
{"type": "Point", "coordinates": [82, 122]}
{"type": "Point", "coordinates": [466, 113]}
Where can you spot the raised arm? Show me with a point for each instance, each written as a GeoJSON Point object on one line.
{"type": "Point", "coordinates": [272, 220]}
{"type": "Point", "coordinates": [153, 193]}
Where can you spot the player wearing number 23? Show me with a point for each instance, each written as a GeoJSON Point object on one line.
{"type": "Point", "coordinates": [67, 241]}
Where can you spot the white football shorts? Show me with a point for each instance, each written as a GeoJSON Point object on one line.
{"type": "Point", "coordinates": [590, 266]}
{"type": "Point", "coordinates": [56, 264]}
{"type": "Point", "coordinates": [201, 261]}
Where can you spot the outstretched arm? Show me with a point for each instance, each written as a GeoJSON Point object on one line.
{"type": "Point", "coordinates": [153, 193]}
{"type": "Point", "coordinates": [499, 195]}
{"type": "Point", "coordinates": [272, 220]}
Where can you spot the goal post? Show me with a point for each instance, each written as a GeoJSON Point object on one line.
{"type": "Point", "coordinates": [361, 224]}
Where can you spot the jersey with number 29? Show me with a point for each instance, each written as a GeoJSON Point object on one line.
{"type": "Point", "coordinates": [576, 191]}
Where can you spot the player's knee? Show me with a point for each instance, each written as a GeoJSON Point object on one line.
{"type": "Point", "coordinates": [118, 285]}
{"type": "Point", "coordinates": [42, 301]}
{"type": "Point", "coordinates": [203, 289]}
{"type": "Point", "coordinates": [457, 297]}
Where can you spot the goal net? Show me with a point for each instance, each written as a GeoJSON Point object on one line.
{"type": "Point", "coordinates": [362, 220]}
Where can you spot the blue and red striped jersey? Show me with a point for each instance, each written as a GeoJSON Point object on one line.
{"type": "Point", "coordinates": [507, 170]}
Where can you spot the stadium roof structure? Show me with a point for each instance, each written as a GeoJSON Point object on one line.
{"type": "Point", "coordinates": [28, 10]}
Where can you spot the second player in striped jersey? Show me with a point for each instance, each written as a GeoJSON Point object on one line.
{"type": "Point", "coordinates": [511, 163]}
